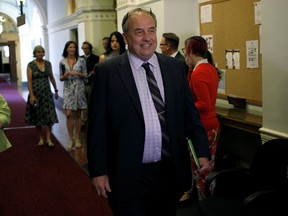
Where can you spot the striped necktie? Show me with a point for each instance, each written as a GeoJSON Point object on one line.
{"type": "Point", "coordinates": [160, 108]}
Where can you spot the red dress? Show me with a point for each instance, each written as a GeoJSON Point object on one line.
{"type": "Point", "coordinates": [203, 82]}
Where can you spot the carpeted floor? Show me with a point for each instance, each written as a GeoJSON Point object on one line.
{"type": "Point", "coordinates": [16, 103]}
{"type": "Point", "coordinates": [41, 181]}
{"type": "Point", "coordinates": [44, 181]}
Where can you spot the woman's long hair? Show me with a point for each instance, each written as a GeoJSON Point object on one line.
{"type": "Point", "coordinates": [65, 53]}
{"type": "Point", "coordinates": [120, 40]}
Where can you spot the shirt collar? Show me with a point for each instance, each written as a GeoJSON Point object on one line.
{"type": "Point", "coordinates": [200, 62]}
{"type": "Point", "coordinates": [174, 54]}
{"type": "Point", "coordinates": [137, 63]}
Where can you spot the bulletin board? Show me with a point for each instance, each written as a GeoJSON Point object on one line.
{"type": "Point", "coordinates": [233, 23]}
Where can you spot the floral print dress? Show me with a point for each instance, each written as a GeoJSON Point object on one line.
{"type": "Point", "coordinates": [74, 88]}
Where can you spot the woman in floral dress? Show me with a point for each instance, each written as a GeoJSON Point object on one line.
{"type": "Point", "coordinates": [73, 72]}
{"type": "Point", "coordinates": [40, 108]}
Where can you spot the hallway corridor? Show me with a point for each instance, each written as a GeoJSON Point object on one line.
{"type": "Point", "coordinates": [59, 130]}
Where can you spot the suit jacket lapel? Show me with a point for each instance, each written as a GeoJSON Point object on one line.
{"type": "Point", "coordinates": [125, 73]}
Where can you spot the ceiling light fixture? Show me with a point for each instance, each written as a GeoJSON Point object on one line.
{"type": "Point", "coordinates": [21, 3]}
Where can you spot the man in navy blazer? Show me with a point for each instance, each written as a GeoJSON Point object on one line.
{"type": "Point", "coordinates": [124, 133]}
{"type": "Point", "coordinates": [169, 46]}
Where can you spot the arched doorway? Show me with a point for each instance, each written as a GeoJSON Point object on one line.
{"type": "Point", "coordinates": [8, 36]}
{"type": "Point", "coordinates": [21, 42]}
{"type": "Point", "coordinates": [9, 67]}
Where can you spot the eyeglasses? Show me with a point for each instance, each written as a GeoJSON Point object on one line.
{"type": "Point", "coordinates": [163, 44]}
{"type": "Point", "coordinates": [183, 50]}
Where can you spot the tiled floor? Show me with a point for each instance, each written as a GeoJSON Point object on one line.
{"type": "Point", "coordinates": [60, 132]}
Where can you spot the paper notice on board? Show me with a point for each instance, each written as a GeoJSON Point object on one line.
{"type": "Point", "coordinates": [229, 59]}
{"type": "Point", "coordinates": [209, 40]}
{"type": "Point", "coordinates": [236, 59]}
{"type": "Point", "coordinates": [252, 54]}
{"type": "Point", "coordinates": [257, 12]}
{"type": "Point", "coordinates": [206, 13]}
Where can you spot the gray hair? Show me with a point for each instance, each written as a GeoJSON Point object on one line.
{"type": "Point", "coordinates": [38, 48]}
{"type": "Point", "coordinates": [125, 25]}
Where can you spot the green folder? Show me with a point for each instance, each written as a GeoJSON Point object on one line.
{"type": "Point", "coordinates": [192, 150]}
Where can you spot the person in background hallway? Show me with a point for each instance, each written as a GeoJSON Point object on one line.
{"type": "Point", "coordinates": [5, 118]}
{"type": "Point", "coordinates": [169, 45]}
{"type": "Point", "coordinates": [138, 157]}
{"type": "Point", "coordinates": [40, 107]}
{"type": "Point", "coordinates": [203, 82]}
{"type": "Point", "coordinates": [73, 73]}
{"type": "Point", "coordinates": [115, 47]}
{"type": "Point", "coordinates": [90, 60]}
{"type": "Point", "coordinates": [105, 41]}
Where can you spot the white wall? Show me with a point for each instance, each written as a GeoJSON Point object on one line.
{"type": "Point", "coordinates": [275, 69]}
{"type": "Point", "coordinates": [175, 16]}
{"type": "Point", "coordinates": [56, 10]}
{"type": "Point", "coordinates": [56, 46]}
{"type": "Point", "coordinates": [181, 17]}
{"type": "Point", "coordinates": [93, 31]}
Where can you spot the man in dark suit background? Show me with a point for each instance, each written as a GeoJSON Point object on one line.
{"type": "Point", "coordinates": [125, 133]}
{"type": "Point", "coordinates": [169, 46]}
{"type": "Point", "coordinates": [105, 41]}
{"type": "Point", "coordinates": [90, 60]}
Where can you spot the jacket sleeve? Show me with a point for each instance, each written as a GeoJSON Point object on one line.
{"type": "Point", "coordinates": [5, 112]}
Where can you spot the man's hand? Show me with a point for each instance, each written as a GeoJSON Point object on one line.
{"type": "Point", "coordinates": [204, 164]}
{"type": "Point", "coordinates": [101, 185]}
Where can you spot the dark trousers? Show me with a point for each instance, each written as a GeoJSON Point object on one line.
{"type": "Point", "coordinates": [153, 194]}
{"type": "Point", "coordinates": [84, 114]}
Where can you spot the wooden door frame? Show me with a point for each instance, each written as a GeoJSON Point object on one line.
{"type": "Point", "coordinates": [12, 60]}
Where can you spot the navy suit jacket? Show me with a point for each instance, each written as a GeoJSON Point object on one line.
{"type": "Point", "coordinates": [91, 61]}
{"type": "Point", "coordinates": [116, 130]}
{"type": "Point", "coordinates": [180, 56]}
{"type": "Point", "coordinates": [90, 64]}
